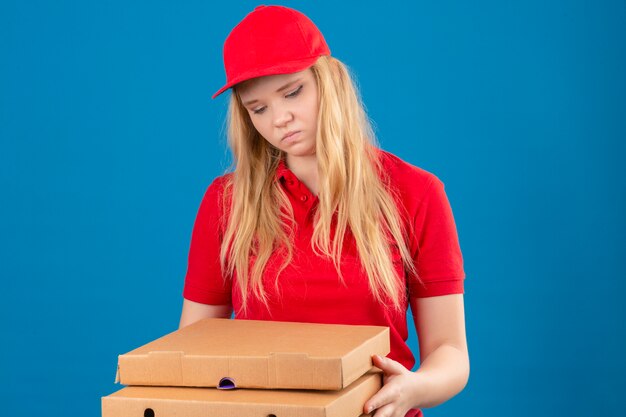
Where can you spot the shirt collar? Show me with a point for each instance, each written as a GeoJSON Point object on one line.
{"type": "Point", "coordinates": [282, 171]}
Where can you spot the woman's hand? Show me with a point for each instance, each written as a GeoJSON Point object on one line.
{"type": "Point", "coordinates": [401, 390]}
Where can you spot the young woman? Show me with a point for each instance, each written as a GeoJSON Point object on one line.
{"type": "Point", "coordinates": [318, 224]}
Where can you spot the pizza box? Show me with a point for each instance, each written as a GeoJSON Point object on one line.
{"type": "Point", "coordinates": [227, 353]}
{"type": "Point", "coordinates": [139, 401]}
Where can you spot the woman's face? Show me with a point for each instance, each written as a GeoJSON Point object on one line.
{"type": "Point", "coordinates": [282, 105]}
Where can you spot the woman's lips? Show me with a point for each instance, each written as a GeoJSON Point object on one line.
{"type": "Point", "coordinates": [290, 136]}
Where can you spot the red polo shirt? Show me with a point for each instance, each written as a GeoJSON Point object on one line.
{"type": "Point", "coordinates": [309, 288]}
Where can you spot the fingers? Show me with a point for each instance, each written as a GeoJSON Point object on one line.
{"type": "Point", "coordinates": [387, 411]}
{"type": "Point", "coordinates": [385, 396]}
{"type": "Point", "coordinates": [388, 366]}
{"type": "Point", "coordinates": [386, 401]}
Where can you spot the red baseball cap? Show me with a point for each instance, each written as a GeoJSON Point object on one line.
{"type": "Point", "coordinates": [271, 40]}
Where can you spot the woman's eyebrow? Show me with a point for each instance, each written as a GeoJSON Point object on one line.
{"type": "Point", "coordinates": [284, 87]}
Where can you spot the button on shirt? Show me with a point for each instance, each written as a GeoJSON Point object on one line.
{"type": "Point", "coordinates": [309, 288]}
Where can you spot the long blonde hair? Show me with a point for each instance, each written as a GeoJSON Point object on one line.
{"type": "Point", "coordinates": [354, 194]}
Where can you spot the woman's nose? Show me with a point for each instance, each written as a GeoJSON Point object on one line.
{"type": "Point", "coordinates": [282, 115]}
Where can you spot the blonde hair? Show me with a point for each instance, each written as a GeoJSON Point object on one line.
{"type": "Point", "coordinates": [352, 195]}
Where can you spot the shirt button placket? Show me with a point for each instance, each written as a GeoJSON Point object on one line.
{"type": "Point", "coordinates": [306, 200]}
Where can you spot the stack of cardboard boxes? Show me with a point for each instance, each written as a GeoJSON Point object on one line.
{"type": "Point", "coordinates": [248, 368]}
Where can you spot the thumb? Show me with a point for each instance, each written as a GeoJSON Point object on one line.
{"type": "Point", "coordinates": [389, 366]}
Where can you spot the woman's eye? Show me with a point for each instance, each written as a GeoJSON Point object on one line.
{"type": "Point", "coordinates": [290, 95]}
{"type": "Point", "coordinates": [295, 93]}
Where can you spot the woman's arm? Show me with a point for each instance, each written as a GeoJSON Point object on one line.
{"type": "Point", "coordinates": [193, 312]}
{"type": "Point", "coordinates": [444, 369]}
{"type": "Point", "coordinates": [444, 358]}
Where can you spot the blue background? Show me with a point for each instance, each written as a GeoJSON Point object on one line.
{"type": "Point", "coordinates": [109, 139]}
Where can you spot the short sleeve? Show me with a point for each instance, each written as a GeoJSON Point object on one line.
{"type": "Point", "coordinates": [204, 281]}
{"type": "Point", "coordinates": [436, 251]}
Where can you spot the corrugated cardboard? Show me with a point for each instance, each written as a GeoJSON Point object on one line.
{"type": "Point", "coordinates": [256, 354]}
{"type": "Point", "coordinates": [211, 402]}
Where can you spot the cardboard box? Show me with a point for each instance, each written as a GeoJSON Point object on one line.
{"type": "Point", "coordinates": [256, 354]}
{"type": "Point", "coordinates": [211, 402]}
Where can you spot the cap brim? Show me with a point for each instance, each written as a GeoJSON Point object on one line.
{"type": "Point", "coordinates": [283, 68]}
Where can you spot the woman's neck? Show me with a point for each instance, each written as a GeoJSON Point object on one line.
{"type": "Point", "coordinates": [305, 168]}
